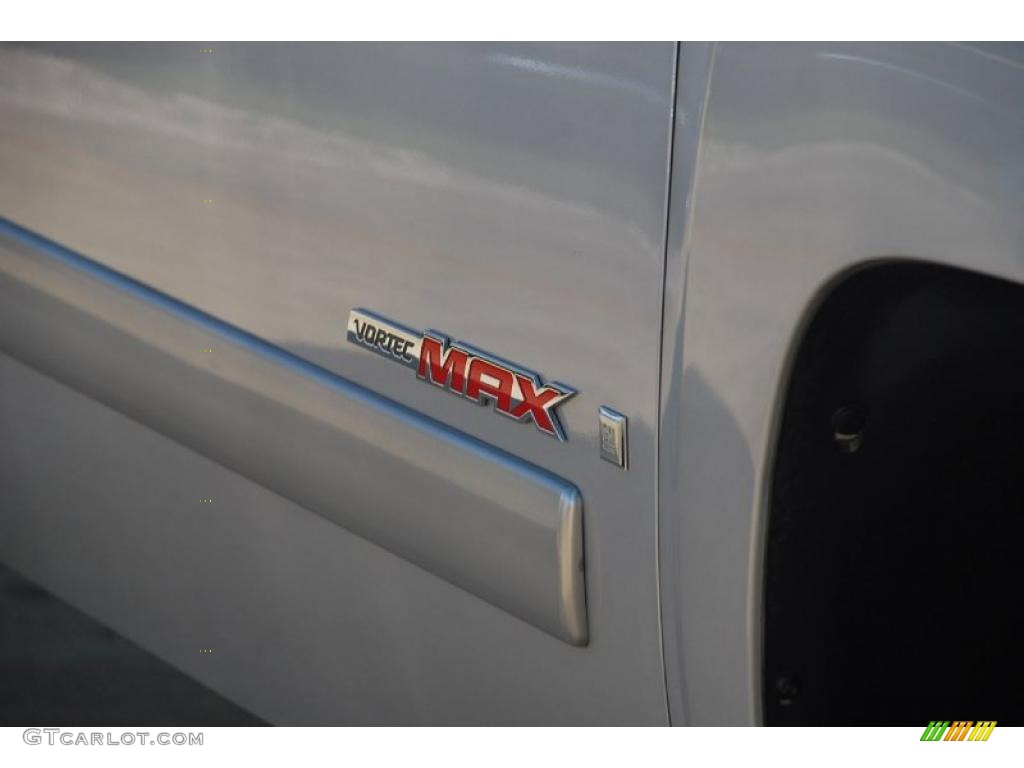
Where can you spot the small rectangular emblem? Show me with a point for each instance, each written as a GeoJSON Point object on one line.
{"type": "Point", "coordinates": [614, 440]}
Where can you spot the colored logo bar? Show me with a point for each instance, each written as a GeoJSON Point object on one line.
{"type": "Point", "coordinates": [959, 730]}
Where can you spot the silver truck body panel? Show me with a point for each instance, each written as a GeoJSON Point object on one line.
{"type": "Point", "coordinates": [513, 196]}
{"type": "Point", "coordinates": [815, 160]}
{"type": "Point", "coordinates": [650, 224]}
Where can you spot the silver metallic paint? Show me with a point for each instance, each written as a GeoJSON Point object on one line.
{"type": "Point", "coordinates": [516, 195]}
{"type": "Point", "coordinates": [510, 194]}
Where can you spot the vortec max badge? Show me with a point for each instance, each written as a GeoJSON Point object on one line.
{"type": "Point", "coordinates": [463, 370]}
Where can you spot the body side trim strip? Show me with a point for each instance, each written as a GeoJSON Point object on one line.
{"type": "Point", "coordinates": [486, 521]}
